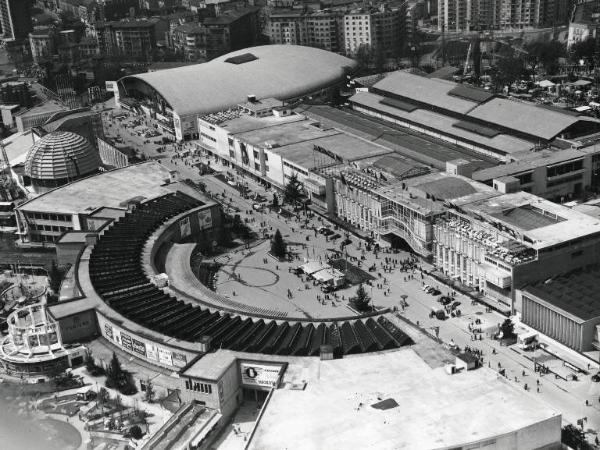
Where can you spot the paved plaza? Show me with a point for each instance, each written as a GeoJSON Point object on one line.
{"type": "Point", "coordinates": [264, 285]}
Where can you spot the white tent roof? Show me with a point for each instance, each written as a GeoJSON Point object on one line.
{"type": "Point", "coordinates": [313, 266]}
{"type": "Point", "coordinates": [546, 83]}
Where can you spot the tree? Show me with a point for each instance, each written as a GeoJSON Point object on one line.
{"type": "Point", "coordinates": [278, 247]}
{"type": "Point", "coordinates": [361, 300]}
{"type": "Point", "coordinates": [275, 201]}
{"type": "Point", "coordinates": [547, 54]}
{"type": "Point", "coordinates": [508, 329]}
{"type": "Point", "coordinates": [136, 432]}
{"type": "Point", "coordinates": [103, 395]}
{"type": "Point", "coordinates": [224, 237]}
{"type": "Point", "coordinates": [292, 192]}
{"type": "Point", "coordinates": [507, 71]}
{"type": "Point", "coordinates": [149, 391]}
{"type": "Point", "coordinates": [54, 277]}
{"type": "Point", "coordinates": [114, 374]}
{"type": "Point", "coordinates": [583, 49]}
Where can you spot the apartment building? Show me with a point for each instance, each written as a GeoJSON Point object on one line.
{"type": "Point", "coordinates": [478, 15]}
{"type": "Point", "coordinates": [379, 29]}
{"type": "Point", "coordinates": [320, 29]}
{"type": "Point", "coordinates": [15, 18]}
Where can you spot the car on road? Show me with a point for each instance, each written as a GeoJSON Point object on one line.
{"type": "Point", "coordinates": [455, 305]}
{"type": "Point", "coordinates": [434, 291]}
{"type": "Point", "coordinates": [335, 236]}
{"type": "Point", "coordinates": [596, 378]}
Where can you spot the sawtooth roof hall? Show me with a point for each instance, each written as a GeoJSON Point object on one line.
{"type": "Point", "coordinates": [467, 116]}
{"type": "Point", "coordinates": [284, 72]}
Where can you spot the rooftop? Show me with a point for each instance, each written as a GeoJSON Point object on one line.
{"type": "Point", "coordinates": [108, 189]}
{"type": "Point", "coordinates": [576, 292]}
{"type": "Point", "coordinates": [279, 71]}
{"type": "Point", "coordinates": [231, 16]}
{"type": "Point", "coordinates": [542, 122]}
{"type": "Point", "coordinates": [532, 161]}
{"type": "Point", "coordinates": [328, 150]}
{"type": "Point", "coordinates": [285, 134]}
{"type": "Point", "coordinates": [502, 143]}
{"type": "Point", "coordinates": [543, 222]}
{"type": "Point", "coordinates": [435, 409]}
{"type": "Point", "coordinates": [425, 90]}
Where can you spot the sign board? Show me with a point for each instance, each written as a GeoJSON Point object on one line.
{"type": "Point", "coordinates": [139, 347]}
{"type": "Point", "coordinates": [164, 356]}
{"type": "Point", "coordinates": [184, 227]}
{"type": "Point", "coordinates": [205, 219]}
{"type": "Point", "coordinates": [110, 86]}
{"type": "Point", "coordinates": [151, 351]}
{"type": "Point", "coordinates": [179, 359]}
{"type": "Point", "coordinates": [259, 375]}
{"type": "Point", "coordinates": [108, 331]}
{"type": "Point", "coordinates": [126, 341]}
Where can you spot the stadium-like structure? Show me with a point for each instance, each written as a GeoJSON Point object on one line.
{"type": "Point", "coordinates": [118, 276]}
{"type": "Point", "coordinates": [176, 97]}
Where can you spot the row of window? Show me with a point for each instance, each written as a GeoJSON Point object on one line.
{"type": "Point", "coordinates": [44, 216]}
{"type": "Point", "coordinates": [56, 229]}
{"type": "Point", "coordinates": [561, 169]}
{"type": "Point", "coordinates": [295, 169]}
{"type": "Point", "coordinates": [198, 387]}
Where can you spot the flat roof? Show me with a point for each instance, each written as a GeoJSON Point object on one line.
{"type": "Point", "coordinates": [576, 292]}
{"type": "Point", "coordinates": [280, 71]}
{"type": "Point", "coordinates": [108, 189]}
{"type": "Point", "coordinates": [435, 410]}
{"type": "Point", "coordinates": [285, 134]}
{"type": "Point", "coordinates": [565, 224]}
{"type": "Point", "coordinates": [243, 123]}
{"type": "Point", "coordinates": [18, 145]}
{"type": "Point", "coordinates": [533, 160]}
{"type": "Point", "coordinates": [346, 147]}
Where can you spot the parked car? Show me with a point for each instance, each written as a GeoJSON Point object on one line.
{"type": "Point", "coordinates": [434, 291]}
{"type": "Point", "coordinates": [596, 378]}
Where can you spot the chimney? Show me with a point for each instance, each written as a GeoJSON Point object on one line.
{"type": "Point", "coordinates": [252, 98]}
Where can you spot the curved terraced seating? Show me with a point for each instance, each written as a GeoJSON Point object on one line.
{"type": "Point", "coordinates": [118, 277]}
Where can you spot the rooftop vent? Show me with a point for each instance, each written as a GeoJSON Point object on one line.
{"type": "Point", "coordinates": [241, 59]}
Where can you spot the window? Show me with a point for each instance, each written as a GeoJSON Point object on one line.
{"type": "Point", "coordinates": [256, 166]}
{"type": "Point", "coordinates": [198, 387]}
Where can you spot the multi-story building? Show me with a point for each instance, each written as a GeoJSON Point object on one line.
{"type": "Point", "coordinates": [473, 15]}
{"type": "Point", "coordinates": [382, 29]}
{"type": "Point", "coordinates": [287, 27]}
{"type": "Point", "coordinates": [231, 30]}
{"type": "Point", "coordinates": [15, 18]}
{"type": "Point", "coordinates": [132, 38]}
{"type": "Point", "coordinates": [320, 29]}
{"type": "Point", "coordinates": [189, 39]}
{"type": "Point", "coordinates": [42, 41]}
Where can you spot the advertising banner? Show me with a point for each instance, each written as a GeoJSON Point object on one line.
{"type": "Point", "coordinates": [179, 359]}
{"type": "Point", "coordinates": [205, 219]}
{"type": "Point", "coordinates": [184, 227]}
{"type": "Point", "coordinates": [259, 375]}
{"type": "Point", "coordinates": [139, 347]}
{"type": "Point", "coordinates": [151, 351]}
{"type": "Point", "coordinates": [108, 331]}
{"type": "Point", "coordinates": [126, 341]}
{"type": "Point", "coordinates": [164, 356]}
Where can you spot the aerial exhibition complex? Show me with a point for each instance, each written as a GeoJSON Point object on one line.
{"type": "Point", "coordinates": [396, 260]}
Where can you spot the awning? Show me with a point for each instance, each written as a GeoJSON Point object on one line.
{"type": "Point", "coordinates": [581, 83]}
{"type": "Point", "coordinates": [582, 108]}
{"type": "Point", "coordinates": [546, 83]}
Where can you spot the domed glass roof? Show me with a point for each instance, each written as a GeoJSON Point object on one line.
{"type": "Point", "coordinates": [61, 155]}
